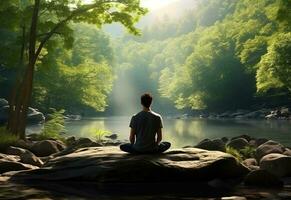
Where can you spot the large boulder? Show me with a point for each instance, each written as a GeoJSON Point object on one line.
{"type": "Point", "coordinates": [34, 116]}
{"type": "Point", "coordinates": [29, 158]}
{"type": "Point", "coordinates": [71, 140]}
{"type": "Point", "coordinates": [285, 112]}
{"type": "Point", "coordinates": [262, 178]}
{"type": "Point", "coordinates": [25, 155]}
{"type": "Point", "coordinates": [268, 148]}
{"type": "Point", "coordinates": [4, 110]}
{"type": "Point", "coordinates": [112, 136]}
{"type": "Point", "coordinates": [244, 136]}
{"type": "Point", "coordinates": [277, 164]}
{"type": "Point", "coordinates": [211, 145]}
{"type": "Point", "coordinates": [110, 165]}
{"type": "Point", "coordinates": [83, 141]}
{"type": "Point", "coordinates": [47, 147]}
{"type": "Point", "coordinates": [3, 102]}
{"type": "Point", "coordinates": [287, 152]}
{"type": "Point", "coordinates": [251, 163]}
{"type": "Point", "coordinates": [238, 143]}
{"type": "Point", "coordinates": [11, 150]}
{"type": "Point", "coordinates": [7, 166]}
{"type": "Point", "coordinates": [260, 141]}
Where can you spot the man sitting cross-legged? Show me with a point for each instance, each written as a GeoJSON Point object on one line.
{"type": "Point", "coordinates": [146, 131]}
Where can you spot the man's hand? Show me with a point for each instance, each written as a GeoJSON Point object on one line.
{"type": "Point", "coordinates": [132, 136]}
{"type": "Point", "coordinates": [159, 136]}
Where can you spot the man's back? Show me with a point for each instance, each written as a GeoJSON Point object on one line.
{"type": "Point", "coordinates": [146, 124]}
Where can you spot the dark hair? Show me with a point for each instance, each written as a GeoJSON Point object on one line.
{"type": "Point", "coordinates": [146, 100]}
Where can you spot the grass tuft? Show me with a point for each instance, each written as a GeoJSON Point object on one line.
{"type": "Point", "coordinates": [7, 139]}
{"type": "Point", "coordinates": [235, 153]}
{"type": "Point", "coordinates": [98, 134]}
{"type": "Point", "coordinates": [248, 152]}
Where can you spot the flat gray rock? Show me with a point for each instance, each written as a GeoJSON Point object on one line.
{"type": "Point", "coordinates": [10, 166]}
{"type": "Point", "coordinates": [110, 165]}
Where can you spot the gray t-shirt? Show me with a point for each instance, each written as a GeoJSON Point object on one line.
{"type": "Point", "coordinates": [146, 125]}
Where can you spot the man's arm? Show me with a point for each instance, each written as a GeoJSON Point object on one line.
{"type": "Point", "coordinates": [132, 136]}
{"type": "Point", "coordinates": [159, 135]}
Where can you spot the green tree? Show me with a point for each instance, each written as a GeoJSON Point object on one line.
{"type": "Point", "coordinates": [50, 18]}
{"type": "Point", "coordinates": [68, 78]}
{"type": "Point", "coordinates": [274, 69]}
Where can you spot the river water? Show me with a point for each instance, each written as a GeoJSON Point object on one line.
{"type": "Point", "coordinates": [183, 132]}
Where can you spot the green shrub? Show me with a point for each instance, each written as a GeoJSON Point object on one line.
{"type": "Point", "coordinates": [53, 128]}
{"type": "Point", "coordinates": [98, 134]}
{"type": "Point", "coordinates": [7, 139]}
{"type": "Point", "coordinates": [235, 153]}
{"type": "Point", "coordinates": [248, 152]}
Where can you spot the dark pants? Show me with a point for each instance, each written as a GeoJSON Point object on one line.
{"type": "Point", "coordinates": [163, 146]}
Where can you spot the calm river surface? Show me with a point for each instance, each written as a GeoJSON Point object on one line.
{"type": "Point", "coordinates": [183, 132]}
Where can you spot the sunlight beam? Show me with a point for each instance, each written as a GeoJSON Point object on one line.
{"type": "Point", "coordinates": [150, 4]}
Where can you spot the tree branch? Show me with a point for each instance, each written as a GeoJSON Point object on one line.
{"type": "Point", "coordinates": [44, 34]}
{"type": "Point", "coordinates": [74, 13]}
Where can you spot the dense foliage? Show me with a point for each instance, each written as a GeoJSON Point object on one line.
{"type": "Point", "coordinates": [233, 53]}
{"type": "Point", "coordinates": [80, 77]}
{"type": "Point", "coordinates": [69, 61]}
{"type": "Point", "coordinates": [220, 55]}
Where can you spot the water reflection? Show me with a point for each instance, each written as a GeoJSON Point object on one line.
{"type": "Point", "coordinates": [182, 132]}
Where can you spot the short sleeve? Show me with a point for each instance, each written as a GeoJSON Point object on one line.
{"type": "Point", "coordinates": [161, 123]}
{"type": "Point", "coordinates": [132, 123]}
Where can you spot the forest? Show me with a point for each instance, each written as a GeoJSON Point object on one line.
{"type": "Point", "coordinates": [219, 55]}
{"type": "Point", "coordinates": [223, 55]}
{"type": "Point", "coordinates": [145, 99]}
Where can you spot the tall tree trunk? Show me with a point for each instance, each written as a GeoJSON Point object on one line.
{"type": "Point", "coordinates": [16, 87]}
{"type": "Point", "coordinates": [20, 102]}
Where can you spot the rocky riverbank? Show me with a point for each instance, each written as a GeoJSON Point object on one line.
{"type": "Point", "coordinates": [244, 160]}
{"type": "Point", "coordinates": [268, 160]}
{"type": "Point", "coordinates": [282, 113]}
{"type": "Point", "coordinates": [103, 166]}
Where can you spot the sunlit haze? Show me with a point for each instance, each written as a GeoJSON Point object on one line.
{"type": "Point", "coordinates": [150, 4]}
{"type": "Point", "coordinates": [156, 4]}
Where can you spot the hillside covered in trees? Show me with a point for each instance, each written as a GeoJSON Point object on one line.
{"type": "Point", "coordinates": [218, 55]}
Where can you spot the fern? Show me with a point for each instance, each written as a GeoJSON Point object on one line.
{"type": "Point", "coordinates": [54, 127]}
{"type": "Point", "coordinates": [235, 153]}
